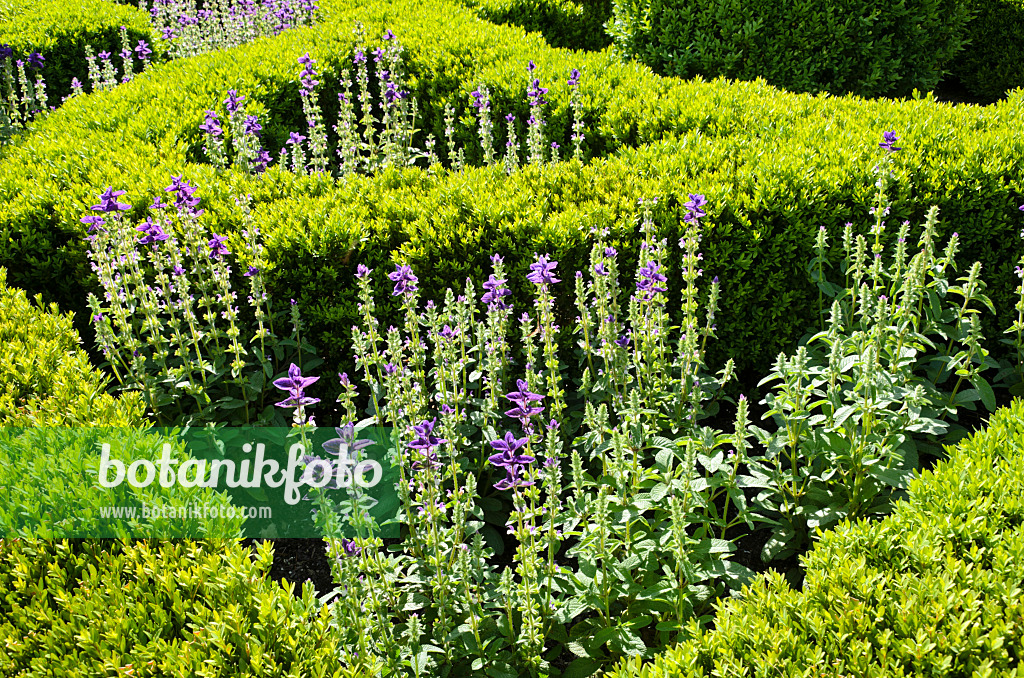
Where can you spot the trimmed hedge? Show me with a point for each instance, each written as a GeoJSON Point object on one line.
{"type": "Point", "coordinates": [571, 24]}
{"type": "Point", "coordinates": [173, 608]}
{"type": "Point", "coordinates": [865, 47]}
{"type": "Point", "coordinates": [45, 377]}
{"type": "Point", "coordinates": [773, 165]}
{"type": "Point", "coordinates": [992, 64]}
{"type": "Point", "coordinates": [60, 30]}
{"type": "Point", "coordinates": [934, 589]}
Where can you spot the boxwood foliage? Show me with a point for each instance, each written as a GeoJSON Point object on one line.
{"type": "Point", "coordinates": [171, 608]}
{"type": "Point", "coordinates": [45, 377]}
{"type": "Point", "coordinates": [572, 24]}
{"type": "Point", "coordinates": [866, 47]}
{"type": "Point", "coordinates": [991, 65]}
{"type": "Point", "coordinates": [774, 166]}
{"type": "Point", "coordinates": [934, 589]}
{"type": "Point", "coordinates": [60, 30]}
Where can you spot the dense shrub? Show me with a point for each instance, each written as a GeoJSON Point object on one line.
{"type": "Point", "coordinates": [45, 377]}
{"type": "Point", "coordinates": [991, 65]}
{"type": "Point", "coordinates": [933, 589]}
{"type": "Point", "coordinates": [61, 30]}
{"type": "Point", "coordinates": [572, 24]}
{"type": "Point", "coordinates": [866, 47]}
{"type": "Point", "coordinates": [774, 167]}
{"type": "Point", "coordinates": [172, 608]}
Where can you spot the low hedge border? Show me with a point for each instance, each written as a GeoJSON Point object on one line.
{"type": "Point", "coordinates": [171, 608]}
{"type": "Point", "coordinates": [934, 589]}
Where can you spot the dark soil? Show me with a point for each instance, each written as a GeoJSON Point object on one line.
{"type": "Point", "coordinates": [297, 561]}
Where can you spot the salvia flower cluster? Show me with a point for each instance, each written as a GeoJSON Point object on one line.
{"type": "Point", "coordinates": [223, 24]}
{"type": "Point", "coordinates": [169, 322]}
{"type": "Point", "coordinates": [21, 97]}
{"type": "Point", "coordinates": [373, 134]}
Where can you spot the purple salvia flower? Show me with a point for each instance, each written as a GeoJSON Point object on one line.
{"type": "Point", "coordinates": [233, 102]}
{"type": "Point", "coordinates": [405, 281]}
{"type": "Point", "coordinates": [109, 202]}
{"type": "Point", "coordinates": [889, 138]}
{"type": "Point", "coordinates": [217, 248]}
{"type": "Point", "coordinates": [543, 271]}
{"type": "Point", "coordinates": [295, 385]}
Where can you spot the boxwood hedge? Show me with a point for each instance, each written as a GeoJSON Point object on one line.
{"type": "Point", "coordinates": [54, 415]}
{"type": "Point", "coordinates": [171, 608]}
{"type": "Point", "coordinates": [934, 589]}
{"type": "Point", "coordinates": [774, 166]}
{"type": "Point", "coordinates": [865, 47]}
{"type": "Point", "coordinates": [991, 64]}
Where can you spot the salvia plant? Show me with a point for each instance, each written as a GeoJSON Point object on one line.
{"type": "Point", "coordinates": [240, 146]}
{"type": "Point", "coordinates": [169, 323]}
{"type": "Point", "coordinates": [860, 400]}
{"type": "Point", "coordinates": [21, 98]}
{"type": "Point", "coordinates": [222, 24]}
{"type": "Point", "coordinates": [486, 447]}
{"type": "Point", "coordinates": [618, 507]}
{"type": "Point", "coordinates": [103, 75]}
{"type": "Point", "coordinates": [377, 133]}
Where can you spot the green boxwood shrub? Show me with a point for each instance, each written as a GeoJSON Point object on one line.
{"type": "Point", "coordinates": [60, 31]}
{"type": "Point", "coordinates": [171, 609]}
{"type": "Point", "coordinates": [572, 24]}
{"type": "Point", "coordinates": [45, 377]}
{"type": "Point", "coordinates": [991, 65]}
{"type": "Point", "coordinates": [865, 47]}
{"type": "Point", "coordinates": [774, 166]}
{"type": "Point", "coordinates": [934, 589]}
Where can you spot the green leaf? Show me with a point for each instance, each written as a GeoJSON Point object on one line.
{"type": "Point", "coordinates": [988, 397]}
{"type": "Point", "coordinates": [581, 668]}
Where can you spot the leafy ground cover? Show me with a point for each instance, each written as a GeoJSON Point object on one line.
{"type": "Point", "coordinates": [636, 340]}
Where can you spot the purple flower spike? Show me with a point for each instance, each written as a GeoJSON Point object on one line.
{"type": "Point", "coordinates": [295, 385]}
{"type": "Point", "coordinates": [405, 281]}
{"type": "Point", "coordinates": [35, 60]}
{"type": "Point", "coordinates": [889, 138]}
{"type": "Point", "coordinates": [425, 438]}
{"type": "Point", "coordinates": [216, 245]}
{"type": "Point", "coordinates": [543, 271]}
{"type": "Point", "coordinates": [649, 279]}
{"type": "Point", "coordinates": [251, 272]}
{"type": "Point", "coordinates": [362, 271]}
{"type": "Point", "coordinates": [109, 202]}
{"type": "Point", "coordinates": [495, 291]}
{"type": "Point", "coordinates": [513, 478]}
{"type": "Point", "coordinates": [574, 78]}
{"type": "Point", "coordinates": [507, 452]}
{"type": "Point", "coordinates": [153, 232]}
{"type": "Point", "coordinates": [233, 102]}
